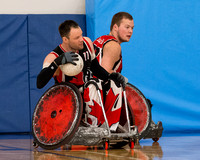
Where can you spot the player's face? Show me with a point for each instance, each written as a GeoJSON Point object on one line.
{"type": "Point", "coordinates": [125, 30]}
{"type": "Point", "coordinates": [75, 40]}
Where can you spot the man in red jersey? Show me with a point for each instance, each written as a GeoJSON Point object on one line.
{"type": "Point", "coordinates": [108, 52]}
{"type": "Point", "coordinates": [107, 47]}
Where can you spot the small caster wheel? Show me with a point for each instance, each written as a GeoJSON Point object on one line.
{"type": "Point", "coordinates": [137, 141]}
{"type": "Point", "coordinates": [35, 145]}
{"type": "Point", "coordinates": [106, 144]}
{"type": "Point", "coordinates": [131, 144]}
{"type": "Point", "coordinates": [65, 147]}
{"type": "Point", "coordinates": [155, 139]}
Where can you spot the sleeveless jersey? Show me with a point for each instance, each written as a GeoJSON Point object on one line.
{"type": "Point", "coordinates": [85, 74]}
{"type": "Point", "coordinates": [98, 46]}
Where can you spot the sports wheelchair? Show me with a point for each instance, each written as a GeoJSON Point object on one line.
{"type": "Point", "coordinates": [57, 120]}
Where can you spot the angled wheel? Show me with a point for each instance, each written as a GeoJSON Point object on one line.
{"type": "Point", "coordinates": [140, 108]}
{"type": "Point", "coordinates": [57, 116]}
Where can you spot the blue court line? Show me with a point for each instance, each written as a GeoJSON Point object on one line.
{"type": "Point", "coordinates": [8, 148]}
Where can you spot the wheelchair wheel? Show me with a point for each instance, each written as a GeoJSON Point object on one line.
{"type": "Point", "coordinates": [140, 108]}
{"type": "Point", "coordinates": [57, 116]}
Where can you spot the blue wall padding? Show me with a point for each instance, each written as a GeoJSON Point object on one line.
{"type": "Point", "coordinates": [14, 84]}
{"type": "Point", "coordinates": [162, 58]}
{"type": "Point", "coordinates": [24, 42]}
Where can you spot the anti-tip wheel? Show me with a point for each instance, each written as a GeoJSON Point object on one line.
{"type": "Point", "coordinates": [155, 139]}
{"type": "Point", "coordinates": [35, 145]}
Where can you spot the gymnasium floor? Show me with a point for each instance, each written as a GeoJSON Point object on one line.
{"type": "Point", "coordinates": [173, 147]}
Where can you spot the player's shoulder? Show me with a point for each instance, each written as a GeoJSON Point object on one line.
{"type": "Point", "coordinates": [89, 43]}
{"type": "Point", "coordinates": [87, 39]}
{"type": "Point", "coordinates": [113, 44]}
{"type": "Point", "coordinates": [104, 39]}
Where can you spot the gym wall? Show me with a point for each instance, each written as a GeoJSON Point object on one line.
{"type": "Point", "coordinates": [27, 35]}
{"type": "Point", "coordinates": [162, 58]}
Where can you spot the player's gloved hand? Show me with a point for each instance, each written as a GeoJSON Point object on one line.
{"type": "Point", "coordinates": [118, 78]}
{"type": "Point", "coordinates": [67, 57]}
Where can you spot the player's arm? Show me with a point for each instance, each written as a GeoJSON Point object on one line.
{"type": "Point", "coordinates": [100, 72]}
{"type": "Point", "coordinates": [48, 70]}
{"type": "Point", "coordinates": [91, 47]}
{"type": "Point", "coordinates": [111, 54]}
{"type": "Point", "coordinates": [51, 64]}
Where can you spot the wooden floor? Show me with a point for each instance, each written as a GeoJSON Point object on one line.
{"type": "Point", "coordinates": [185, 147]}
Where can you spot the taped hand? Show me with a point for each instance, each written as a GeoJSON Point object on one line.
{"type": "Point", "coordinates": [117, 77]}
{"type": "Point", "coordinates": [67, 57]}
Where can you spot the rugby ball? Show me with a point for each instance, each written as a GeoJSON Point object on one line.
{"type": "Point", "coordinates": [71, 69]}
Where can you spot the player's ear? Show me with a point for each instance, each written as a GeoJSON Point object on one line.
{"type": "Point", "coordinates": [115, 27]}
{"type": "Point", "coordinates": [65, 39]}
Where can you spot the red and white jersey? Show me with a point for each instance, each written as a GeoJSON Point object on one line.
{"type": "Point", "coordinates": [98, 47]}
{"type": "Point", "coordinates": [87, 56]}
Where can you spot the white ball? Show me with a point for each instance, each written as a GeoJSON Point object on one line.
{"type": "Point", "coordinates": [71, 69]}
